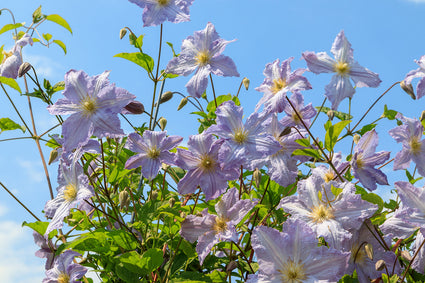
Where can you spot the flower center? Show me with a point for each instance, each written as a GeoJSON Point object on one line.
{"type": "Point", "coordinates": [63, 278]}
{"type": "Point", "coordinates": [88, 105]}
{"type": "Point", "coordinates": [163, 2]}
{"type": "Point", "coordinates": [342, 68]}
{"type": "Point", "coordinates": [207, 163]}
{"type": "Point", "coordinates": [220, 225]}
{"type": "Point", "coordinates": [153, 153]}
{"type": "Point", "coordinates": [295, 118]}
{"type": "Point", "coordinates": [415, 145]}
{"type": "Point", "coordinates": [203, 57]}
{"type": "Point", "coordinates": [5, 55]}
{"type": "Point", "coordinates": [278, 84]}
{"type": "Point", "coordinates": [321, 213]}
{"type": "Point", "coordinates": [359, 162]}
{"type": "Point", "coordinates": [329, 176]}
{"type": "Point", "coordinates": [240, 136]}
{"type": "Point", "coordinates": [293, 272]}
{"type": "Point", "coordinates": [70, 192]}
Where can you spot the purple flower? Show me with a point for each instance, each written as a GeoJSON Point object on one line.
{"type": "Point", "coordinates": [212, 229]}
{"type": "Point", "coordinates": [47, 249]}
{"type": "Point", "coordinates": [418, 73]}
{"type": "Point", "coordinates": [65, 270]}
{"type": "Point", "coordinates": [244, 142]}
{"type": "Point", "coordinates": [93, 104]}
{"type": "Point", "coordinates": [73, 190]}
{"type": "Point", "coordinates": [153, 148]}
{"type": "Point", "coordinates": [365, 159]}
{"type": "Point", "coordinates": [409, 134]}
{"type": "Point", "coordinates": [279, 80]}
{"type": "Point", "coordinates": [12, 60]}
{"type": "Point", "coordinates": [204, 169]}
{"type": "Point", "coordinates": [91, 146]}
{"type": "Point", "coordinates": [344, 68]}
{"type": "Point", "coordinates": [156, 12]}
{"type": "Point", "coordinates": [293, 255]}
{"type": "Point", "coordinates": [305, 112]}
{"type": "Point", "coordinates": [202, 52]}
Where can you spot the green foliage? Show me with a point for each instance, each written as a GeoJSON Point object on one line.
{"type": "Point", "coordinates": [333, 132]}
{"type": "Point", "coordinates": [7, 124]}
{"type": "Point", "coordinates": [10, 82]}
{"type": "Point", "coordinates": [60, 44]}
{"type": "Point", "coordinates": [389, 114]}
{"type": "Point", "coordinates": [141, 59]}
{"type": "Point", "coordinates": [60, 21]}
{"type": "Point", "coordinates": [8, 27]}
{"type": "Point", "coordinates": [340, 115]}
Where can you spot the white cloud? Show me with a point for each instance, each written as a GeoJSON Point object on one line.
{"type": "Point", "coordinates": [44, 66]}
{"type": "Point", "coordinates": [33, 169]}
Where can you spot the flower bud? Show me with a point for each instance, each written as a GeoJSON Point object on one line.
{"type": "Point", "coordinates": [380, 265]}
{"type": "Point", "coordinates": [285, 132]}
{"type": "Point", "coordinates": [245, 82]}
{"type": "Point", "coordinates": [369, 251]}
{"type": "Point", "coordinates": [123, 32]}
{"type": "Point", "coordinates": [154, 195]}
{"type": "Point", "coordinates": [199, 214]}
{"type": "Point", "coordinates": [256, 177]}
{"type": "Point", "coordinates": [331, 114]}
{"type": "Point", "coordinates": [134, 107]}
{"type": "Point", "coordinates": [162, 123]}
{"type": "Point", "coordinates": [422, 116]}
{"type": "Point", "coordinates": [232, 265]}
{"type": "Point", "coordinates": [183, 214]}
{"type": "Point", "coordinates": [356, 138]}
{"type": "Point", "coordinates": [183, 102]}
{"type": "Point", "coordinates": [171, 202]}
{"type": "Point", "coordinates": [408, 88]}
{"type": "Point", "coordinates": [124, 199]}
{"type": "Point", "coordinates": [165, 97]}
{"type": "Point", "coordinates": [24, 68]}
{"type": "Point", "coordinates": [165, 167]}
{"type": "Point", "coordinates": [406, 255]}
{"type": "Point", "coordinates": [53, 156]}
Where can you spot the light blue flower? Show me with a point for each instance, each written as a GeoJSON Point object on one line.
{"type": "Point", "coordinates": [65, 270]}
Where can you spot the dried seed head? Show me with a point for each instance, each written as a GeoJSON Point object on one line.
{"type": "Point", "coordinates": [245, 82]}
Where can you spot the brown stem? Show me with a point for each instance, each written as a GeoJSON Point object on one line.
{"type": "Point", "coordinates": [23, 205]}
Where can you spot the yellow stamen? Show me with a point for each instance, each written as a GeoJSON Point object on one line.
{"type": "Point", "coordinates": [278, 84]}
{"type": "Point", "coordinates": [5, 55]}
{"type": "Point", "coordinates": [153, 153]}
{"type": "Point", "coordinates": [70, 192]}
{"type": "Point", "coordinates": [329, 176]}
{"type": "Point", "coordinates": [415, 145]}
{"type": "Point", "coordinates": [240, 136]}
{"type": "Point", "coordinates": [321, 213]}
{"type": "Point", "coordinates": [342, 68]}
{"type": "Point", "coordinates": [207, 163]}
{"type": "Point", "coordinates": [163, 2]}
{"type": "Point", "coordinates": [203, 57]}
{"type": "Point", "coordinates": [292, 272]}
{"type": "Point", "coordinates": [63, 278]}
{"type": "Point", "coordinates": [220, 225]}
{"type": "Point", "coordinates": [89, 105]}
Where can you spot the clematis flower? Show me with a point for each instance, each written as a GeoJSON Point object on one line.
{"type": "Point", "coordinates": [293, 255]}
{"type": "Point", "coordinates": [418, 73]}
{"type": "Point", "coordinates": [93, 104]}
{"type": "Point", "coordinates": [73, 190]}
{"type": "Point", "coordinates": [11, 61]}
{"type": "Point", "coordinates": [244, 142]}
{"type": "Point", "coordinates": [202, 52]}
{"type": "Point", "coordinates": [204, 169]}
{"type": "Point", "coordinates": [156, 12]}
{"type": "Point", "coordinates": [365, 159]}
{"type": "Point", "coordinates": [47, 249]}
{"type": "Point", "coordinates": [278, 82]}
{"type": "Point", "coordinates": [153, 149]}
{"type": "Point", "coordinates": [409, 134]}
{"type": "Point", "coordinates": [305, 112]}
{"type": "Point", "coordinates": [344, 68]}
{"type": "Point", "coordinates": [91, 146]}
{"type": "Point", "coordinates": [332, 216]}
{"type": "Point", "coordinates": [65, 270]}
{"type": "Point", "coordinates": [211, 229]}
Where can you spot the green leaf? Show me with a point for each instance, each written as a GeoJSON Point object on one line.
{"type": "Point", "coordinates": [60, 21]}
{"type": "Point", "coordinates": [7, 124]}
{"type": "Point", "coordinates": [10, 27]}
{"type": "Point", "coordinates": [172, 49]}
{"type": "Point", "coordinates": [340, 115]}
{"type": "Point", "coordinates": [38, 226]}
{"type": "Point", "coordinates": [389, 114]}
{"type": "Point", "coordinates": [366, 129]}
{"type": "Point", "coordinates": [10, 82]}
{"type": "Point", "coordinates": [333, 133]}
{"type": "Point", "coordinates": [37, 15]}
{"type": "Point", "coordinates": [303, 142]}
{"type": "Point", "coordinates": [151, 260]}
{"type": "Point", "coordinates": [136, 42]}
{"type": "Point", "coordinates": [335, 191]}
{"type": "Point", "coordinates": [47, 36]}
{"type": "Point", "coordinates": [371, 197]}
{"type": "Point", "coordinates": [143, 60]}
{"type": "Point", "coordinates": [308, 152]}
{"type": "Point", "coordinates": [60, 44]}
{"type": "Point", "coordinates": [220, 99]}
{"type": "Point", "coordinates": [59, 86]}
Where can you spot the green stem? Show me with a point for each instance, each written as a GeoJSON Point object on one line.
{"type": "Point", "coordinates": [213, 90]}
{"type": "Point", "coordinates": [156, 78]}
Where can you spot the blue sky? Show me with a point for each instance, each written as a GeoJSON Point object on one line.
{"type": "Point", "coordinates": [386, 37]}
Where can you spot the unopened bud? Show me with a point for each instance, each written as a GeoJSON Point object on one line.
{"type": "Point", "coordinates": [369, 251]}
{"type": "Point", "coordinates": [165, 167]}
{"type": "Point", "coordinates": [331, 114]}
{"type": "Point", "coordinates": [245, 82]}
{"type": "Point", "coordinates": [199, 214]}
{"type": "Point", "coordinates": [256, 176]}
{"type": "Point", "coordinates": [162, 123]}
{"type": "Point", "coordinates": [154, 195]}
{"type": "Point", "coordinates": [406, 255]}
{"type": "Point", "coordinates": [24, 68]}
{"type": "Point", "coordinates": [285, 132]}
{"type": "Point", "coordinates": [183, 102]}
{"type": "Point", "coordinates": [380, 265]}
{"type": "Point", "coordinates": [171, 202]}
{"type": "Point", "coordinates": [232, 265]}
{"type": "Point", "coordinates": [165, 97]}
{"type": "Point", "coordinates": [408, 88]}
{"type": "Point", "coordinates": [422, 116]}
{"type": "Point", "coordinates": [183, 214]}
{"type": "Point", "coordinates": [134, 107]}
{"type": "Point", "coordinates": [124, 199]}
{"type": "Point", "coordinates": [53, 156]}
{"type": "Point", "coordinates": [123, 32]}
{"type": "Point", "coordinates": [356, 138]}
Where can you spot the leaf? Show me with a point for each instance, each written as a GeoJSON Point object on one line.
{"type": "Point", "coordinates": [366, 129]}
{"type": "Point", "coordinates": [308, 152]}
{"type": "Point", "coordinates": [389, 114]}
{"type": "Point", "coordinates": [7, 124]}
{"type": "Point", "coordinates": [340, 115]}
{"type": "Point", "coordinates": [172, 49]}
{"type": "Point", "coordinates": [371, 197]}
{"type": "Point", "coordinates": [59, 86]}
{"type": "Point", "coordinates": [10, 26]}
{"type": "Point", "coordinates": [38, 226]}
{"type": "Point", "coordinates": [333, 133]}
{"type": "Point", "coordinates": [59, 20]}
{"type": "Point", "coordinates": [220, 99]}
{"type": "Point", "coordinates": [61, 44]}
{"type": "Point", "coordinates": [47, 36]}
{"type": "Point", "coordinates": [10, 82]}
{"type": "Point", "coordinates": [143, 60]}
